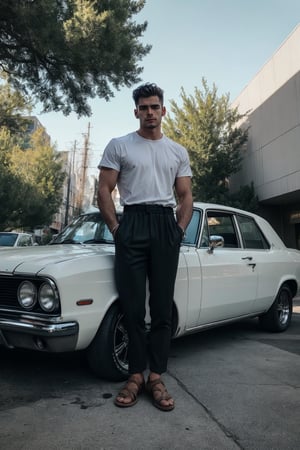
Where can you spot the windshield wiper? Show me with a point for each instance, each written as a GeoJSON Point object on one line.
{"type": "Point", "coordinates": [66, 241]}
{"type": "Point", "coordinates": [97, 241]}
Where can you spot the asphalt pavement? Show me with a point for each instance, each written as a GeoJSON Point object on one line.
{"type": "Point", "coordinates": [235, 388]}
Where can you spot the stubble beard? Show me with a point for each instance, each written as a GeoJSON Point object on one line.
{"type": "Point", "coordinates": [152, 125]}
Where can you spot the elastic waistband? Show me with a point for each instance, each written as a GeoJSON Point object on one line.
{"type": "Point", "coordinates": [150, 209]}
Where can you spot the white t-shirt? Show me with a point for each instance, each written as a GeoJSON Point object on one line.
{"type": "Point", "coordinates": [148, 168]}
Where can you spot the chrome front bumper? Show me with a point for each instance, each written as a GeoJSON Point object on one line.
{"type": "Point", "coordinates": [41, 334]}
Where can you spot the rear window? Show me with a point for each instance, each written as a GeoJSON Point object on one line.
{"type": "Point", "coordinates": [251, 234]}
{"type": "Point", "coordinates": [8, 239]}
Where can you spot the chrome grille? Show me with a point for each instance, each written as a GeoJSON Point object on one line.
{"type": "Point", "coordinates": [9, 290]}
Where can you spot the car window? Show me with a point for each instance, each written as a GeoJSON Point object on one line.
{"type": "Point", "coordinates": [221, 224]}
{"type": "Point", "coordinates": [192, 230]}
{"type": "Point", "coordinates": [87, 228]}
{"type": "Point", "coordinates": [8, 239]}
{"type": "Point", "coordinates": [251, 233]}
{"type": "Point", "coordinates": [24, 241]}
{"type": "Point", "coordinates": [205, 235]}
{"type": "Point", "coordinates": [86, 232]}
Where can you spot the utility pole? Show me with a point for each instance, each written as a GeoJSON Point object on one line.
{"type": "Point", "coordinates": [84, 167]}
{"type": "Point", "coordinates": [71, 171]}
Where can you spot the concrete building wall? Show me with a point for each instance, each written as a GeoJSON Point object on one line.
{"type": "Point", "coordinates": [272, 156]}
{"type": "Point", "coordinates": [282, 66]}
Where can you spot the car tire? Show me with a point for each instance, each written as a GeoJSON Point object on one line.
{"type": "Point", "coordinates": [279, 316]}
{"type": "Point", "coordinates": [107, 354]}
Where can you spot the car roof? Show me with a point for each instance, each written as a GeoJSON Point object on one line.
{"type": "Point", "coordinates": [199, 205]}
{"type": "Point", "coordinates": [203, 205]}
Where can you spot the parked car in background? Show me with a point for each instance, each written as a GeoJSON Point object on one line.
{"type": "Point", "coordinates": [14, 239]}
{"type": "Point", "coordinates": [62, 297]}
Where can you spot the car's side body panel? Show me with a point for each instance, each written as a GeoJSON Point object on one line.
{"type": "Point", "coordinates": [229, 285]}
{"type": "Point", "coordinates": [214, 285]}
{"type": "Point", "coordinates": [189, 310]}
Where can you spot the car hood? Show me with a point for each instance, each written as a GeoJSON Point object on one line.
{"type": "Point", "coordinates": [34, 259]}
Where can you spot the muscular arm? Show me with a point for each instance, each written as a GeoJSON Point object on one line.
{"type": "Point", "coordinates": [184, 209]}
{"type": "Point", "coordinates": [107, 182]}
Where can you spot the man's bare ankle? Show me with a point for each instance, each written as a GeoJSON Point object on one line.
{"type": "Point", "coordinates": [139, 377]}
{"type": "Point", "coordinates": [154, 376]}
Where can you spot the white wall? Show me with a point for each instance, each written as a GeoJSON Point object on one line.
{"type": "Point", "coordinates": [272, 157]}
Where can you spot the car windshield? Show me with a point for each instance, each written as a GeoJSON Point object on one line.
{"type": "Point", "coordinates": [8, 239]}
{"type": "Point", "coordinates": [86, 229]}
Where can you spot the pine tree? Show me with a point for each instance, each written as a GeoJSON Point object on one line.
{"type": "Point", "coordinates": [207, 126]}
{"type": "Point", "coordinates": [64, 52]}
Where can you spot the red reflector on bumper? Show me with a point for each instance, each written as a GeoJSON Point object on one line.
{"type": "Point", "coordinates": [88, 301]}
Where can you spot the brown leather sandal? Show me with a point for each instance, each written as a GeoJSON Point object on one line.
{"type": "Point", "coordinates": [130, 391]}
{"type": "Point", "coordinates": [155, 386]}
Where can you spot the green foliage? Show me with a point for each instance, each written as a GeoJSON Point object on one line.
{"type": "Point", "coordinates": [13, 107]}
{"type": "Point", "coordinates": [208, 127]}
{"type": "Point", "coordinates": [245, 198]}
{"type": "Point", "coordinates": [40, 168]}
{"type": "Point", "coordinates": [12, 187]}
{"type": "Point", "coordinates": [31, 180]}
{"type": "Point", "coordinates": [67, 51]}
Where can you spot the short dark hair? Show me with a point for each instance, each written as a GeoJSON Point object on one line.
{"type": "Point", "coordinates": [148, 90]}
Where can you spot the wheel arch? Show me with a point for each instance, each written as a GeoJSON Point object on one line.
{"type": "Point", "coordinates": [99, 315]}
{"type": "Point", "coordinates": [279, 315]}
{"type": "Point", "coordinates": [292, 285]}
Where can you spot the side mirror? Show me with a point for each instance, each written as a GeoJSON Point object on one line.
{"type": "Point", "coordinates": [215, 241]}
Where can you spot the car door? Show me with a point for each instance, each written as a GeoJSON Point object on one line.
{"type": "Point", "coordinates": [188, 289]}
{"type": "Point", "coordinates": [229, 276]}
{"type": "Point", "coordinates": [268, 265]}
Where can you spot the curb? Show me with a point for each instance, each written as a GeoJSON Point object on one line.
{"type": "Point", "coordinates": [296, 301]}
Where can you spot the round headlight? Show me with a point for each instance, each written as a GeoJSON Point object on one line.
{"type": "Point", "coordinates": [27, 294]}
{"type": "Point", "coordinates": [47, 297]}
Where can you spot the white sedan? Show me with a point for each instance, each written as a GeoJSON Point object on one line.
{"type": "Point", "coordinates": [62, 297]}
{"type": "Point", "coordinates": [15, 239]}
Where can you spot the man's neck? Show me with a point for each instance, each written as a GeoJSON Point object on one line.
{"type": "Point", "coordinates": [153, 134]}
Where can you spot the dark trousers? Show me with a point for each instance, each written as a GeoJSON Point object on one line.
{"type": "Point", "coordinates": [147, 246]}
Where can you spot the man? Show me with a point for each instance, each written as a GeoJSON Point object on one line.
{"type": "Point", "coordinates": [147, 167]}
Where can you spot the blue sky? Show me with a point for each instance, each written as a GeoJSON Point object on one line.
{"type": "Point", "coordinates": [224, 41]}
